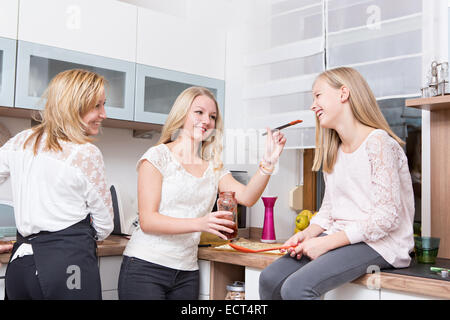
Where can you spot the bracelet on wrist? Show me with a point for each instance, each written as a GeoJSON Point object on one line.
{"type": "Point", "coordinates": [264, 170]}
{"type": "Point", "coordinates": [267, 162]}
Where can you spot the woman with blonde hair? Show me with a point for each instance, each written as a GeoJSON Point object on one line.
{"type": "Point", "coordinates": [365, 222]}
{"type": "Point", "coordinates": [61, 200]}
{"type": "Point", "coordinates": [178, 180]}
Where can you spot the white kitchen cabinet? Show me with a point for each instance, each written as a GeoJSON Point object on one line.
{"type": "Point", "coordinates": [7, 71]}
{"type": "Point", "coordinates": [172, 43]}
{"type": "Point", "coordinates": [204, 267]}
{"type": "Point", "coordinates": [101, 27]}
{"type": "Point", "coordinates": [2, 281]}
{"type": "Point", "coordinates": [37, 64]}
{"type": "Point", "coordinates": [109, 276]}
{"type": "Point", "coordinates": [386, 294]}
{"type": "Point", "coordinates": [351, 291]}
{"type": "Point", "coordinates": [157, 89]}
{"type": "Point", "coordinates": [8, 18]}
{"type": "Point", "coordinates": [252, 283]}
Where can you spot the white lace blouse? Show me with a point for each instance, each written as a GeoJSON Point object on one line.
{"type": "Point", "coordinates": [182, 196]}
{"type": "Point", "coordinates": [54, 190]}
{"type": "Point", "coordinates": [369, 195]}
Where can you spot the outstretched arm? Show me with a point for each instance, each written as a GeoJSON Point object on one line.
{"type": "Point", "coordinates": [248, 194]}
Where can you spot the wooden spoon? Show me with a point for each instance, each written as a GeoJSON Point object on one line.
{"type": "Point", "coordinates": [243, 249]}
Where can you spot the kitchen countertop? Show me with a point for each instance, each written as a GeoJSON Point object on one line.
{"type": "Point", "coordinates": [111, 246]}
{"type": "Point", "coordinates": [415, 279]}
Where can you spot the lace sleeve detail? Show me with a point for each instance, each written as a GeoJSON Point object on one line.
{"type": "Point", "coordinates": [323, 217]}
{"type": "Point", "coordinates": [89, 160]}
{"type": "Point", "coordinates": [157, 156]}
{"type": "Point", "coordinates": [12, 144]}
{"type": "Point", "coordinates": [4, 163]}
{"type": "Point", "coordinates": [385, 161]}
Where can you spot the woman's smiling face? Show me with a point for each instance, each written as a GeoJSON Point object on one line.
{"type": "Point", "coordinates": [201, 118]}
{"type": "Point", "coordinates": [93, 119]}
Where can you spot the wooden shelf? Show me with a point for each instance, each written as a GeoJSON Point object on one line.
{"type": "Point", "coordinates": [109, 123]}
{"type": "Point", "coordinates": [439, 166]}
{"type": "Point", "coordinates": [431, 104]}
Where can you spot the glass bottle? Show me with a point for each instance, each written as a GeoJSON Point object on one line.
{"type": "Point", "coordinates": [227, 202]}
{"type": "Point", "coordinates": [236, 291]}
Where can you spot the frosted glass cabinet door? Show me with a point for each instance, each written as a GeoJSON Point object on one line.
{"type": "Point", "coordinates": [38, 64]}
{"type": "Point", "coordinates": [157, 89]}
{"type": "Point", "coordinates": [7, 69]}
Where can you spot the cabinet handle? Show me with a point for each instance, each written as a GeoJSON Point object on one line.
{"type": "Point", "coordinates": [2, 277]}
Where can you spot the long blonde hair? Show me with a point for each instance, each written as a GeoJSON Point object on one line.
{"type": "Point", "coordinates": [211, 149]}
{"type": "Point", "coordinates": [69, 97]}
{"type": "Point", "coordinates": [364, 107]}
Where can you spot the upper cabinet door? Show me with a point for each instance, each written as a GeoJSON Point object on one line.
{"type": "Point", "coordinates": [7, 69]}
{"type": "Point", "coordinates": [9, 10]}
{"type": "Point", "coordinates": [168, 42]}
{"type": "Point", "coordinates": [38, 64]}
{"type": "Point", "coordinates": [101, 27]}
{"type": "Point", "coordinates": [157, 89]}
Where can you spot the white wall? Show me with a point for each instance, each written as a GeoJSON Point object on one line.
{"type": "Point", "coordinates": [239, 37]}
{"type": "Point", "coordinates": [121, 152]}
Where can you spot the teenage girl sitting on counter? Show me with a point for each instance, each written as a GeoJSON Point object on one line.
{"type": "Point", "coordinates": [366, 217]}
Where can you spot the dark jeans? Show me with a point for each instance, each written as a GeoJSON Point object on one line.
{"type": "Point", "coordinates": [143, 280]}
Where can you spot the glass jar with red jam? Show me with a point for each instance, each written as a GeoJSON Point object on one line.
{"type": "Point", "coordinates": [227, 202]}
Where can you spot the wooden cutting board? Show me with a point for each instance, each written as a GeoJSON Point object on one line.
{"type": "Point", "coordinates": [251, 245]}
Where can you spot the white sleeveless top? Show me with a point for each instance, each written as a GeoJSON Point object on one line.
{"type": "Point", "coordinates": [182, 196]}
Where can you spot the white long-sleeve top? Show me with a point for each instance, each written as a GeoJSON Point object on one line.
{"type": "Point", "coordinates": [54, 190]}
{"type": "Point", "coordinates": [369, 196]}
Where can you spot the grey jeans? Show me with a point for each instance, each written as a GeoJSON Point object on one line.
{"type": "Point", "coordinates": [305, 279]}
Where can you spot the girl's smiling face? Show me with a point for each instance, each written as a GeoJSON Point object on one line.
{"type": "Point", "coordinates": [201, 118]}
{"type": "Point", "coordinates": [327, 103]}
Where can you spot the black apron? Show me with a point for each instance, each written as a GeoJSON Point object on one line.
{"type": "Point", "coordinates": [66, 262]}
